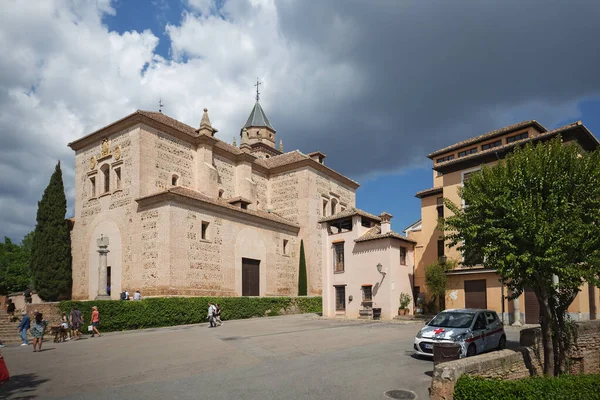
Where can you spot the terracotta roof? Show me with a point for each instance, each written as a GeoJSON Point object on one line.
{"type": "Point", "coordinates": [489, 135]}
{"type": "Point", "coordinates": [283, 159]}
{"type": "Point", "coordinates": [375, 233]}
{"type": "Point", "coordinates": [192, 194]}
{"type": "Point", "coordinates": [429, 192]}
{"type": "Point", "coordinates": [172, 122]}
{"type": "Point", "coordinates": [545, 135]}
{"type": "Point", "coordinates": [350, 212]}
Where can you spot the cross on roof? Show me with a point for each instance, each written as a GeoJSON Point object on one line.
{"type": "Point", "coordinates": [160, 105]}
{"type": "Point", "coordinates": [257, 92]}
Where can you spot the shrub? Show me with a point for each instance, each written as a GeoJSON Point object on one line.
{"type": "Point", "coordinates": [118, 315]}
{"type": "Point", "coordinates": [404, 300]}
{"type": "Point", "coordinates": [582, 387]}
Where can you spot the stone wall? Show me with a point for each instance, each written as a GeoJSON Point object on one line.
{"type": "Point", "coordinates": [50, 312]}
{"type": "Point", "coordinates": [527, 361]}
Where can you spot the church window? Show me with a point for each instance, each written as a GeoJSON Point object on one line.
{"type": "Point", "coordinates": [324, 207]}
{"type": "Point", "coordinates": [244, 206]}
{"type": "Point", "coordinates": [92, 187]}
{"type": "Point", "coordinates": [106, 174]}
{"type": "Point", "coordinates": [221, 191]}
{"type": "Point", "coordinates": [174, 180]}
{"type": "Point", "coordinates": [118, 177]}
{"type": "Point", "coordinates": [285, 243]}
{"type": "Point", "coordinates": [333, 206]}
{"type": "Point", "coordinates": [204, 230]}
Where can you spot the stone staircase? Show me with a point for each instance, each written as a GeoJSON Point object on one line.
{"type": "Point", "coordinates": [8, 330]}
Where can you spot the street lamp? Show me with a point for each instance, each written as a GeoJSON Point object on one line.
{"type": "Point", "coordinates": [443, 259]}
{"type": "Point", "coordinates": [379, 267]}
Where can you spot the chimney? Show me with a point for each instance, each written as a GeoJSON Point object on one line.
{"type": "Point", "coordinates": [385, 222]}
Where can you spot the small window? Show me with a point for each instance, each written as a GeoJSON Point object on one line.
{"type": "Point", "coordinates": [333, 206]}
{"type": "Point", "coordinates": [365, 223]}
{"type": "Point", "coordinates": [402, 255]}
{"type": "Point", "coordinates": [440, 247]}
{"type": "Point", "coordinates": [340, 298]}
{"type": "Point", "coordinates": [440, 207]}
{"type": "Point", "coordinates": [221, 193]}
{"type": "Point", "coordinates": [106, 176]}
{"type": "Point", "coordinates": [174, 180]}
{"type": "Point", "coordinates": [438, 173]}
{"type": "Point", "coordinates": [244, 206]}
{"type": "Point", "coordinates": [338, 257]}
{"type": "Point", "coordinates": [285, 243]}
{"type": "Point", "coordinates": [267, 156]}
{"type": "Point", "coordinates": [92, 187]}
{"type": "Point", "coordinates": [467, 152]}
{"type": "Point", "coordinates": [416, 292]}
{"type": "Point", "coordinates": [324, 207]}
{"type": "Point", "coordinates": [118, 177]}
{"type": "Point", "coordinates": [486, 146]}
{"type": "Point", "coordinates": [520, 136]}
{"type": "Point", "coordinates": [447, 158]}
{"type": "Point", "coordinates": [367, 293]}
{"type": "Point", "coordinates": [204, 230]}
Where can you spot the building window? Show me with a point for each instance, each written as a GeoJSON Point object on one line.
{"type": "Point", "coordinates": [447, 158]}
{"type": "Point", "coordinates": [333, 206]}
{"type": "Point", "coordinates": [367, 293]}
{"type": "Point", "coordinates": [440, 207]}
{"type": "Point", "coordinates": [221, 193]}
{"type": "Point", "coordinates": [338, 257]}
{"type": "Point", "coordinates": [204, 230]}
{"type": "Point", "coordinates": [439, 173]}
{"type": "Point", "coordinates": [486, 146]}
{"type": "Point", "coordinates": [285, 243]}
{"type": "Point", "coordinates": [92, 187]}
{"type": "Point", "coordinates": [244, 206]}
{"type": "Point", "coordinates": [324, 207]}
{"type": "Point", "coordinates": [520, 136]}
{"type": "Point", "coordinates": [340, 298]}
{"type": "Point", "coordinates": [440, 247]}
{"type": "Point", "coordinates": [106, 175]}
{"type": "Point", "coordinates": [118, 177]}
{"type": "Point", "coordinates": [402, 255]}
{"type": "Point", "coordinates": [467, 152]}
{"type": "Point", "coordinates": [174, 180]}
{"type": "Point", "coordinates": [365, 222]}
{"type": "Point", "coordinates": [416, 291]}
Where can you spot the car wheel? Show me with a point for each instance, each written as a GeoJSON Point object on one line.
{"type": "Point", "coordinates": [502, 343]}
{"type": "Point", "coordinates": [472, 350]}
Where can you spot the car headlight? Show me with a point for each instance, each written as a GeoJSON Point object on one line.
{"type": "Point", "coordinates": [419, 335]}
{"type": "Point", "coordinates": [459, 338]}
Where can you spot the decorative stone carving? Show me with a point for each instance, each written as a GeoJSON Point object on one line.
{"type": "Point", "coordinates": [117, 153]}
{"type": "Point", "coordinates": [93, 162]}
{"type": "Point", "coordinates": [105, 147]}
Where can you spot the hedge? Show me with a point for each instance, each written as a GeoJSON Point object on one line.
{"type": "Point", "coordinates": [120, 315]}
{"type": "Point", "coordinates": [581, 387]}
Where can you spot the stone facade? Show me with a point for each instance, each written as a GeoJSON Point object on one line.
{"type": "Point", "coordinates": [181, 209]}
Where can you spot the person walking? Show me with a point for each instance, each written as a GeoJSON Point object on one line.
{"type": "Point", "coordinates": [95, 321]}
{"type": "Point", "coordinates": [218, 315]}
{"type": "Point", "coordinates": [24, 327]}
{"type": "Point", "coordinates": [76, 322]}
{"type": "Point", "coordinates": [65, 331]}
{"type": "Point", "coordinates": [10, 310]}
{"type": "Point", "coordinates": [37, 331]}
{"type": "Point", "coordinates": [211, 315]}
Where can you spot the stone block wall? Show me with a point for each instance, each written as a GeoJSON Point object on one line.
{"type": "Point", "coordinates": [50, 311]}
{"type": "Point", "coordinates": [585, 355]}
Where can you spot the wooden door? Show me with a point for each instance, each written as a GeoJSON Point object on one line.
{"type": "Point", "coordinates": [250, 277]}
{"type": "Point", "coordinates": [475, 294]}
{"type": "Point", "coordinates": [340, 298]}
{"type": "Point", "coordinates": [532, 307]}
{"type": "Point", "coordinates": [592, 296]}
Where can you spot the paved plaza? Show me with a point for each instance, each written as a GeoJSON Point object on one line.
{"type": "Point", "coordinates": [289, 357]}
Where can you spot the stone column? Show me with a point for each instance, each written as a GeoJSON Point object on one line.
{"type": "Point", "coordinates": [516, 313]}
{"type": "Point", "coordinates": [103, 251]}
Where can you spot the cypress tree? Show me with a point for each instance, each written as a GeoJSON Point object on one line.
{"type": "Point", "coordinates": [51, 248]}
{"type": "Point", "coordinates": [302, 282]}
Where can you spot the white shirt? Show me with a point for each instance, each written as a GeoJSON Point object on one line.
{"type": "Point", "coordinates": [137, 296]}
{"type": "Point", "coordinates": [211, 310]}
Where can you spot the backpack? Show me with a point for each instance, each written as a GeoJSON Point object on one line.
{"type": "Point", "coordinates": [123, 296]}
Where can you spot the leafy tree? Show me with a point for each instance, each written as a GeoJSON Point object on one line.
{"type": "Point", "coordinates": [15, 273]}
{"type": "Point", "coordinates": [51, 246]}
{"type": "Point", "coordinates": [302, 281]}
{"type": "Point", "coordinates": [535, 219]}
{"type": "Point", "coordinates": [437, 281]}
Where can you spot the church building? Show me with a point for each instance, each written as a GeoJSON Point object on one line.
{"type": "Point", "coordinates": [170, 210]}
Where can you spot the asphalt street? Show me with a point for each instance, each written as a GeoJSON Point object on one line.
{"type": "Point", "coordinates": [289, 357]}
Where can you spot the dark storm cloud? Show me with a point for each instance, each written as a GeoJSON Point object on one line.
{"type": "Point", "coordinates": [433, 73]}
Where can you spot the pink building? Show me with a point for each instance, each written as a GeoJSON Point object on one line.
{"type": "Point", "coordinates": [366, 265]}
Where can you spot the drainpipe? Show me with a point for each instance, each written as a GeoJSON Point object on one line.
{"type": "Point", "coordinates": [502, 283]}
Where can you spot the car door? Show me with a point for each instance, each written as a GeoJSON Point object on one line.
{"type": "Point", "coordinates": [493, 330]}
{"type": "Point", "coordinates": [479, 330]}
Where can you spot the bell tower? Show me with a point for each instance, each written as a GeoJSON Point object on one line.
{"type": "Point", "coordinates": [258, 135]}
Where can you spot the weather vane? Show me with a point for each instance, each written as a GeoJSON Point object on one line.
{"type": "Point", "coordinates": [160, 105]}
{"type": "Point", "coordinates": [257, 92]}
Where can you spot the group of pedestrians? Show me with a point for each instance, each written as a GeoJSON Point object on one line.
{"type": "Point", "coordinates": [214, 315]}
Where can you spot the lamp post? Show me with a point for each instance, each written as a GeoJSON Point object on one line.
{"type": "Point", "coordinates": [443, 259]}
{"type": "Point", "coordinates": [379, 267]}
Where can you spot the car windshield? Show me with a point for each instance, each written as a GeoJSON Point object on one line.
{"type": "Point", "coordinates": [452, 320]}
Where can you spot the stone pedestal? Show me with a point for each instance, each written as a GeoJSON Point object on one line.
{"type": "Point", "coordinates": [103, 252]}
{"type": "Point", "coordinates": [516, 313]}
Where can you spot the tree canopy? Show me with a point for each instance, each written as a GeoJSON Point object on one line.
{"type": "Point", "coordinates": [15, 271]}
{"type": "Point", "coordinates": [535, 218]}
{"type": "Point", "coordinates": [302, 281]}
{"type": "Point", "coordinates": [51, 248]}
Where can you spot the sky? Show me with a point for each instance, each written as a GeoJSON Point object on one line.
{"type": "Point", "coordinates": [376, 85]}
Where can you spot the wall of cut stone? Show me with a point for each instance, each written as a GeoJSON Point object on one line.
{"type": "Point", "coordinates": [226, 175]}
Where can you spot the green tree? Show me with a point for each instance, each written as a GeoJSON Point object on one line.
{"type": "Point", "coordinates": [437, 281]}
{"type": "Point", "coordinates": [15, 273]}
{"type": "Point", "coordinates": [51, 245]}
{"type": "Point", "coordinates": [302, 281]}
{"type": "Point", "coordinates": [535, 219]}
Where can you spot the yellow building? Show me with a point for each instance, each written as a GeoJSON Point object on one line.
{"type": "Point", "coordinates": [478, 287]}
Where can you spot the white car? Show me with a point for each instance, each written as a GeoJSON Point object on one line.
{"type": "Point", "coordinates": [477, 331]}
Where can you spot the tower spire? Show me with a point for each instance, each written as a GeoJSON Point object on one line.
{"type": "Point", "coordinates": [257, 92]}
